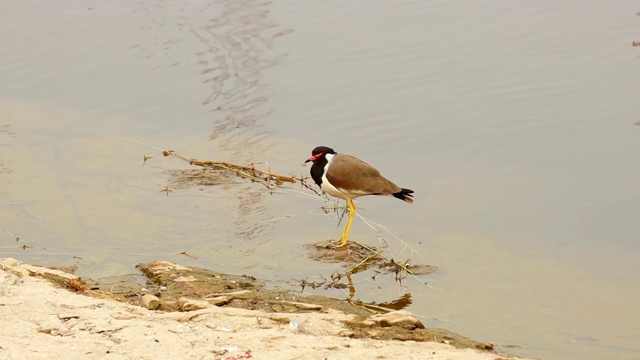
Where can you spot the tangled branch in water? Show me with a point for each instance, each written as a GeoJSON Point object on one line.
{"type": "Point", "coordinates": [266, 178]}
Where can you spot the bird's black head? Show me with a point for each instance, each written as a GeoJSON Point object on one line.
{"type": "Point", "coordinates": [320, 152]}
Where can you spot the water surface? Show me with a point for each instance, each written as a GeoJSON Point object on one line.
{"type": "Point", "coordinates": [514, 124]}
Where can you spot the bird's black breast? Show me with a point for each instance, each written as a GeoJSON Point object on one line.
{"type": "Point", "coordinates": [317, 170]}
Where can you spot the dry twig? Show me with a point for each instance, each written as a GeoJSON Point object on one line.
{"type": "Point", "coordinates": [267, 178]}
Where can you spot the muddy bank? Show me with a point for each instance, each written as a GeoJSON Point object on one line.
{"type": "Point", "coordinates": [199, 313]}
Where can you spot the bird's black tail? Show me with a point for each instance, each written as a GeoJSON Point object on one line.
{"type": "Point", "coordinates": [404, 195]}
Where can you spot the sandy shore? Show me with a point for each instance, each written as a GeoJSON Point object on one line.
{"type": "Point", "coordinates": [41, 321]}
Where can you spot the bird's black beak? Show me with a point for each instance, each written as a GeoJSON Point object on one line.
{"type": "Point", "coordinates": [307, 161]}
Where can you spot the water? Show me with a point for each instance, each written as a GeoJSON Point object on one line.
{"type": "Point", "coordinates": [514, 124]}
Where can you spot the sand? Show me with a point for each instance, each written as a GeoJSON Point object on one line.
{"type": "Point", "coordinates": [39, 320]}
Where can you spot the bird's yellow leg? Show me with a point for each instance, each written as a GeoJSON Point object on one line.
{"type": "Point", "coordinates": [345, 234]}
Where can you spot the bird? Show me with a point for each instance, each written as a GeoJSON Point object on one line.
{"type": "Point", "coordinates": [347, 177]}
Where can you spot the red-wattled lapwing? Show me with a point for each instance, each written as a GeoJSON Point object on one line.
{"type": "Point", "coordinates": [347, 177]}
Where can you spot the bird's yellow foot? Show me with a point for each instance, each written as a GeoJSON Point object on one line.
{"type": "Point", "coordinates": [340, 242]}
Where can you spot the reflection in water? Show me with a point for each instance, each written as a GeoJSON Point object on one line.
{"type": "Point", "coordinates": [235, 51]}
{"type": "Point", "coordinates": [238, 44]}
{"type": "Point", "coordinates": [367, 268]}
{"type": "Point", "coordinates": [399, 303]}
{"type": "Point", "coordinates": [237, 54]}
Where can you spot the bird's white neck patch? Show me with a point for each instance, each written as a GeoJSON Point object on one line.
{"type": "Point", "coordinates": [328, 157]}
{"type": "Point", "coordinates": [326, 167]}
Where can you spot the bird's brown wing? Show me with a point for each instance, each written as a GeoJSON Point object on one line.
{"type": "Point", "coordinates": [354, 175]}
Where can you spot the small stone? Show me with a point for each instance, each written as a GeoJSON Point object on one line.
{"type": "Point", "coordinates": [54, 275]}
{"type": "Point", "coordinates": [187, 304]}
{"type": "Point", "coordinates": [219, 300]}
{"type": "Point", "coordinates": [399, 318]}
{"type": "Point", "coordinates": [151, 302]}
